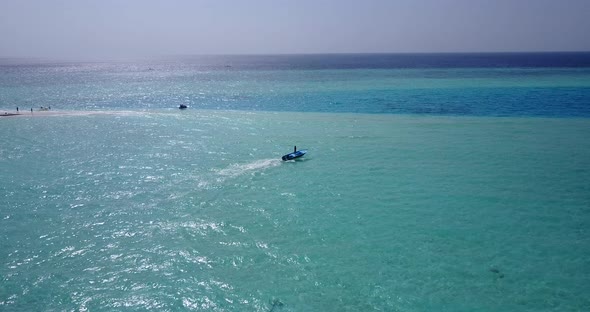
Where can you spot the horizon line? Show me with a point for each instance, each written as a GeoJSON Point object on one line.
{"type": "Point", "coordinates": [111, 58]}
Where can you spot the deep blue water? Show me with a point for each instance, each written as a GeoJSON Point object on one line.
{"type": "Point", "coordinates": [402, 60]}
{"type": "Point", "coordinates": [356, 61]}
{"type": "Point", "coordinates": [476, 84]}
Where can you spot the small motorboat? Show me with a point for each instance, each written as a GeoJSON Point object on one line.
{"type": "Point", "coordinates": [182, 106]}
{"type": "Point", "coordinates": [294, 155]}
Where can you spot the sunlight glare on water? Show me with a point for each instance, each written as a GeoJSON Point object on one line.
{"type": "Point", "coordinates": [195, 210]}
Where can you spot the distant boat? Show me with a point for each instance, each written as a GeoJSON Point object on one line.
{"type": "Point", "coordinates": [294, 155]}
{"type": "Point", "coordinates": [182, 106]}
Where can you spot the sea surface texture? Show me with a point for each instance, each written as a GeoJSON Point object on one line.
{"type": "Point", "coordinates": [432, 183]}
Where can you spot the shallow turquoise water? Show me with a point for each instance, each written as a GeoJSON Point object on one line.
{"type": "Point", "coordinates": [194, 210]}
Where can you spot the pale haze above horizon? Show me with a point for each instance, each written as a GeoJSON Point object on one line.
{"type": "Point", "coordinates": [136, 28]}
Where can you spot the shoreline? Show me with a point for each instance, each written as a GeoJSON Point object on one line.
{"type": "Point", "coordinates": [46, 113]}
{"type": "Point", "coordinates": [49, 113]}
{"type": "Point", "coordinates": [7, 114]}
{"type": "Point", "coordinates": [31, 113]}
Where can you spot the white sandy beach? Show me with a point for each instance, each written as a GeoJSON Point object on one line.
{"type": "Point", "coordinates": [45, 113]}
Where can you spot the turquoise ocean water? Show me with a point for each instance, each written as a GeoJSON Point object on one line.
{"type": "Point", "coordinates": [425, 188]}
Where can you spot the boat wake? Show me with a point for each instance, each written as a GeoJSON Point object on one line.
{"type": "Point", "coordinates": [235, 170]}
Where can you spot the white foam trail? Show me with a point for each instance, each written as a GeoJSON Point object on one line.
{"type": "Point", "coordinates": [240, 169]}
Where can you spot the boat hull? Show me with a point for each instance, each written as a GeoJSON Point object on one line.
{"type": "Point", "coordinates": [294, 155]}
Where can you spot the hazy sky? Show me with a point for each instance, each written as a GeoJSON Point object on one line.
{"type": "Point", "coordinates": [128, 28]}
